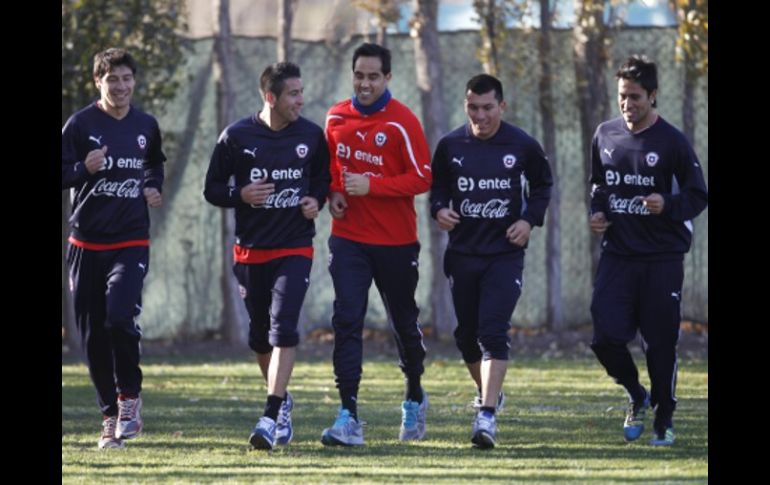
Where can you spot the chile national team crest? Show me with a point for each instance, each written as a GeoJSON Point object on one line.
{"type": "Point", "coordinates": [142, 141]}
{"type": "Point", "coordinates": [380, 138]}
{"type": "Point", "coordinates": [302, 150]}
{"type": "Point", "coordinates": [651, 159]}
{"type": "Point", "coordinates": [509, 160]}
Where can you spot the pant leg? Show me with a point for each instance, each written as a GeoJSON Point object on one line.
{"type": "Point", "coordinates": [351, 272]}
{"type": "Point", "coordinates": [87, 283]}
{"type": "Point", "coordinates": [499, 291]}
{"type": "Point", "coordinates": [125, 280]}
{"type": "Point", "coordinates": [396, 275]}
{"type": "Point", "coordinates": [614, 308]}
{"type": "Point", "coordinates": [660, 317]}
{"type": "Point", "coordinates": [254, 284]}
{"type": "Point", "coordinates": [291, 278]}
{"type": "Point", "coordinates": [464, 278]}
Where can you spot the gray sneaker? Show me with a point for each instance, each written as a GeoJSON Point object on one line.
{"type": "Point", "coordinates": [284, 432]}
{"type": "Point", "coordinates": [108, 439]}
{"type": "Point", "coordinates": [477, 402]}
{"type": "Point", "coordinates": [345, 431]}
{"type": "Point", "coordinates": [129, 418]}
{"type": "Point", "coordinates": [413, 419]}
{"type": "Point", "coordinates": [263, 435]}
{"type": "Point", "coordinates": [484, 430]}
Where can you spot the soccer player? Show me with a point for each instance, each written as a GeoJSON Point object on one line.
{"type": "Point", "coordinates": [380, 161]}
{"type": "Point", "coordinates": [273, 168]}
{"type": "Point", "coordinates": [647, 186]}
{"type": "Point", "coordinates": [113, 160]}
{"type": "Point", "coordinates": [491, 185]}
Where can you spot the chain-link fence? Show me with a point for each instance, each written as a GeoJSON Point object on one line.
{"type": "Point", "coordinates": [182, 296]}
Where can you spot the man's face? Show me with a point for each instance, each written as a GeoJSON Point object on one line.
{"type": "Point", "coordinates": [634, 103]}
{"type": "Point", "coordinates": [368, 80]}
{"type": "Point", "coordinates": [116, 88]}
{"type": "Point", "coordinates": [288, 105]}
{"type": "Point", "coordinates": [484, 113]}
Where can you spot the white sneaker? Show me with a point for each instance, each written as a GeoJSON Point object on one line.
{"type": "Point", "coordinates": [413, 419]}
{"type": "Point", "coordinates": [284, 432]}
{"type": "Point", "coordinates": [263, 435]}
{"type": "Point", "coordinates": [108, 439]}
{"type": "Point", "coordinates": [345, 431]}
{"type": "Point", "coordinates": [484, 430]}
{"type": "Point", "coordinates": [129, 418]}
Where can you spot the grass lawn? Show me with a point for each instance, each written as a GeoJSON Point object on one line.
{"type": "Point", "coordinates": [562, 422]}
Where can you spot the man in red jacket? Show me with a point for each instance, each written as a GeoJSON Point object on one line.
{"type": "Point", "coordinates": [379, 162]}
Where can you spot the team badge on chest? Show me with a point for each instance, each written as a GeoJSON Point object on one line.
{"type": "Point", "coordinates": [302, 150]}
{"type": "Point", "coordinates": [380, 138]}
{"type": "Point", "coordinates": [142, 141]}
{"type": "Point", "coordinates": [509, 160]}
{"type": "Point", "coordinates": [651, 159]}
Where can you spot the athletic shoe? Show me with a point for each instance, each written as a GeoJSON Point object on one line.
{"type": "Point", "coordinates": [263, 435]}
{"type": "Point", "coordinates": [345, 431]}
{"type": "Point", "coordinates": [413, 419]}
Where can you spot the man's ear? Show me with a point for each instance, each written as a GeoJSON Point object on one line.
{"type": "Point", "coordinates": [270, 99]}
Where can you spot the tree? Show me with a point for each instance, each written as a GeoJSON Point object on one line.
{"type": "Point", "coordinates": [692, 49]}
{"type": "Point", "coordinates": [591, 53]}
{"type": "Point", "coordinates": [150, 30]}
{"type": "Point", "coordinates": [385, 12]}
{"type": "Point", "coordinates": [493, 17]}
{"type": "Point", "coordinates": [427, 57]}
{"type": "Point", "coordinates": [286, 9]}
{"type": "Point", "coordinates": [234, 320]}
{"type": "Point", "coordinates": [555, 311]}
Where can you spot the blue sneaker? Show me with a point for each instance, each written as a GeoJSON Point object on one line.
{"type": "Point", "coordinates": [345, 431]}
{"type": "Point", "coordinates": [634, 423]}
{"type": "Point", "coordinates": [484, 431]}
{"type": "Point", "coordinates": [477, 402]}
{"type": "Point", "coordinates": [284, 432]}
{"type": "Point", "coordinates": [263, 435]}
{"type": "Point", "coordinates": [663, 438]}
{"type": "Point", "coordinates": [413, 419]}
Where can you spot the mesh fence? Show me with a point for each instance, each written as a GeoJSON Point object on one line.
{"type": "Point", "coordinates": [182, 297]}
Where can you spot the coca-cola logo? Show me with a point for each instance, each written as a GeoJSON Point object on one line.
{"type": "Point", "coordinates": [283, 199]}
{"type": "Point", "coordinates": [125, 189]}
{"type": "Point", "coordinates": [634, 205]}
{"type": "Point", "coordinates": [491, 209]}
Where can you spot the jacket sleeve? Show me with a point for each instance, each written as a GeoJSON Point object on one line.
{"type": "Point", "coordinates": [539, 178]}
{"type": "Point", "coordinates": [334, 167]}
{"type": "Point", "coordinates": [692, 196]}
{"type": "Point", "coordinates": [73, 170]}
{"type": "Point", "coordinates": [154, 172]}
{"type": "Point", "coordinates": [219, 190]}
{"type": "Point", "coordinates": [441, 187]}
{"type": "Point", "coordinates": [319, 173]}
{"type": "Point", "coordinates": [416, 176]}
{"type": "Point", "coordinates": [598, 185]}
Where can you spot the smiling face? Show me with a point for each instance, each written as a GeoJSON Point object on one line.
{"type": "Point", "coordinates": [485, 113]}
{"type": "Point", "coordinates": [116, 88]}
{"type": "Point", "coordinates": [369, 83]}
{"type": "Point", "coordinates": [286, 108]}
{"type": "Point", "coordinates": [635, 104]}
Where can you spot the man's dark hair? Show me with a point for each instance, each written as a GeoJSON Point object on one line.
{"type": "Point", "coordinates": [373, 50]}
{"type": "Point", "coordinates": [640, 69]}
{"type": "Point", "coordinates": [484, 83]}
{"type": "Point", "coordinates": [106, 60]}
{"type": "Point", "coordinates": [275, 75]}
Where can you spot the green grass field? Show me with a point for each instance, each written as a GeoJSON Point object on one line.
{"type": "Point", "coordinates": [562, 422]}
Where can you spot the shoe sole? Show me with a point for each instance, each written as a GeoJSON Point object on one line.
{"type": "Point", "coordinates": [330, 440]}
{"type": "Point", "coordinates": [259, 442]}
{"type": "Point", "coordinates": [483, 441]}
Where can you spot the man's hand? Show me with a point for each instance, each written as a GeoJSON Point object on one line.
{"type": "Point", "coordinates": [654, 203]}
{"type": "Point", "coordinates": [337, 204]}
{"type": "Point", "coordinates": [518, 233]}
{"type": "Point", "coordinates": [309, 207]}
{"type": "Point", "coordinates": [599, 222]}
{"type": "Point", "coordinates": [447, 219]}
{"type": "Point", "coordinates": [356, 184]}
{"type": "Point", "coordinates": [153, 197]}
{"type": "Point", "coordinates": [95, 160]}
{"type": "Point", "coordinates": [256, 193]}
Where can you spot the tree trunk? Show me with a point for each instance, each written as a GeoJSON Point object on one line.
{"type": "Point", "coordinates": [590, 61]}
{"type": "Point", "coordinates": [555, 312]}
{"type": "Point", "coordinates": [285, 20]}
{"type": "Point", "coordinates": [429, 81]}
{"type": "Point", "coordinates": [234, 317]}
{"type": "Point", "coordinates": [491, 64]}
